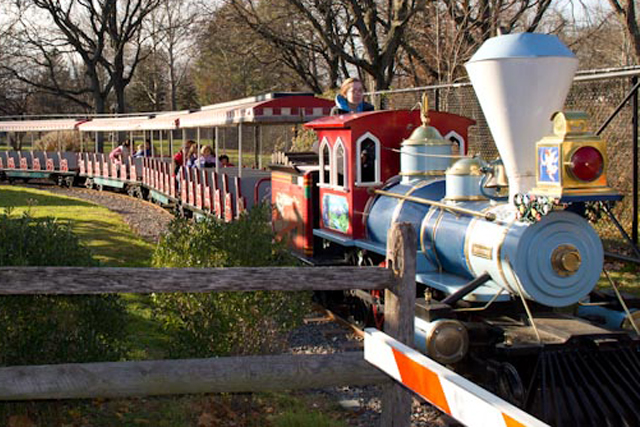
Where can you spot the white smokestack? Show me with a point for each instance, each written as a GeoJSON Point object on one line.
{"type": "Point", "coordinates": [520, 81]}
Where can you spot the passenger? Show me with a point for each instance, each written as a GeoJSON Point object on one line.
{"type": "Point", "coordinates": [351, 98]}
{"type": "Point", "coordinates": [224, 161]}
{"type": "Point", "coordinates": [192, 157]}
{"type": "Point", "coordinates": [206, 159]}
{"type": "Point", "coordinates": [146, 150]}
{"type": "Point", "coordinates": [121, 152]}
{"type": "Point", "coordinates": [183, 155]}
{"type": "Point", "coordinates": [139, 151]}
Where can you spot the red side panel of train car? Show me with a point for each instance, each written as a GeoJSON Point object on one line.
{"type": "Point", "coordinates": [291, 198]}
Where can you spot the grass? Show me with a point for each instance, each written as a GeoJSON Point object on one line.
{"type": "Point", "coordinates": [240, 410]}
{"type": "Point", "coordinates": [625, 275]}
{"type": "Point", "coordinates": [109, 238]}
{"type": "Point", "coordinates": [114, 244]}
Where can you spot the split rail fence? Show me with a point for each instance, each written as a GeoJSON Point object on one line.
{"type": "Point", "coordinates": [224, 374]}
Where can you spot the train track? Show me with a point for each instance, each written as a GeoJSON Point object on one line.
{"type": "Point", "coordinates": [326, 316]}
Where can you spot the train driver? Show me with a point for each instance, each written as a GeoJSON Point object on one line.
{"type": "Point", "coordinates": [351, 98]}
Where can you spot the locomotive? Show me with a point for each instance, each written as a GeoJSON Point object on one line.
{"type": "Point", "coordinates": [507, 263]}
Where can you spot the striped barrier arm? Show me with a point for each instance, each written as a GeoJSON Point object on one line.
{"type": "Point", "coordinates": [465, 401]}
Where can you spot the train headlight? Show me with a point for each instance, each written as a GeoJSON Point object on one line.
{"type": "Point", "coordinates": [587, 164]}
{"type": "Point", "coordinates": [572, 163]}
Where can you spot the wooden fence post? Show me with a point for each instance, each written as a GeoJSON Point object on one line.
{"type": "Point", "coordinates": [399, 311]}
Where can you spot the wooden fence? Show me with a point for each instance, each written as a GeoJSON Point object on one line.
{"type": "Point", "coordinates": [225, 374]}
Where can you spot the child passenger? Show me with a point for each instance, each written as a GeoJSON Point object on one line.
{"type": "Point", "coordinates": [206, 159]}
{"type": "Point", "coordinates": [121, 152]}
{"type": "Point", "coordinates": [224, 161]}
{"type": "Point", "coordinates": [182, 157]}
{"type": "Point", "coordinates": [143, 150]}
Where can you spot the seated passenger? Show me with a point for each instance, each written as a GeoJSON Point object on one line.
{"type": "Point", "coordinates": [139, 151]}
{"type": "Point", "coordinates": [182, 156]}
{"type": "Point", "coordinates": [120, 153]}
{"type": "Point", "coordinates": [351, 98]}
{"type": "Point", "coordinates": [192, 156]}
{"type": "Point", "coordinates": [143, 150]}
{"type": "Point", "coordinates": [224, 161]}
{"type": "Point", "coordinates": [206, 159]}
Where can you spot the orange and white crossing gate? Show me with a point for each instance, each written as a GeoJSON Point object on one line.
{"type": "Point", "coordinates": [453, 394]}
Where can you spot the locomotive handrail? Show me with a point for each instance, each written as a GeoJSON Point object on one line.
{"type": "Point", "coordinates": [489, 216]}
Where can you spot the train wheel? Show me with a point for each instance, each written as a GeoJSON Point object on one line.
{"type": "Point", "coordinates": [508, 383]}
{"type": "Point", "coordinates": [89, 183]}
{"type": "Point", "coordinates": [99, 187]}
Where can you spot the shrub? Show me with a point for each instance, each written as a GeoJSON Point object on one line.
{"type": "Point", "coordinates": [25, 240]}
{"type": "Point", "coordinates": [304, 140]}
{"type": "Point", "coordinates": [59, 141]}
{"type": "Point", "coordinates": [228, 322]}
{"type": "Point", "coordinates": [54, 329]}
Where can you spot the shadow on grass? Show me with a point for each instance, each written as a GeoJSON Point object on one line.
{"type": "Point", "coordinates": [17, 197]}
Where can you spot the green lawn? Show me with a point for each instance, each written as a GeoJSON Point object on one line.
{"type": "Point", "coordinates": [109, 238]}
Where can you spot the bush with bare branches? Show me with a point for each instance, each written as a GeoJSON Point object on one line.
{"type": "Point", "coordinates": [59, 141]}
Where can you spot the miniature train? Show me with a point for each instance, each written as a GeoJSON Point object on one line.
{"type": "Point", "coordinates": [507, 264]}
{"type": "Point", "coordinates": [501, 262]}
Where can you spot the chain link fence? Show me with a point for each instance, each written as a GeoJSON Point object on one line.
{"type": "Point", "coordinates": [598, 97]}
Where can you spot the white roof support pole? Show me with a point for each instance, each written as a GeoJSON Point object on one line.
{"type": "Point", "coordinates": [161, 147]}
{"type": "Point", "coordinates": [256, 146]}
{"type": "Point", "coordinates": [216, 138]}
{"type": "Point", "coordinates": [198, 136]}
{"type": "Point", "coordinates": [171, 143]}
{"type": "Point", "coordinates": [96, 141]}
{"type": "Point", "coordinates": [259, 148]}
{"type": "Point", "coordinates": [81, 142]}
{"type": "Point", "coordinates": [240, 150]}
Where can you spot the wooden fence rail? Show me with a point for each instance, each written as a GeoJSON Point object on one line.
{"type": "Point", "coordinates": [79, 280]}
{"type": "Point", "coordinates": [162, 377]}
{"type": "Point", "coordinates": [230, 374]}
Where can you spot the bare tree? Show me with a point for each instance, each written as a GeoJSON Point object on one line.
{"type": "Point", "coordinates": [625, 10]}
{"type": "Point", "coordinates": [173, 36]}
{"type": "Point", "coordinates": [105, 36]}
{"type": "Point", "coordinates": [232, 62]}
{"type": "Point", "coordinates": [447, 32]}
{"type": "Point", "coordinates": [364, 33]}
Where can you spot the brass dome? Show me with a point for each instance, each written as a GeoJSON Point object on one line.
{"type": "Point", "coordinates": [468, 166]}
{"type": "Point", "coordinates": [425, 135]}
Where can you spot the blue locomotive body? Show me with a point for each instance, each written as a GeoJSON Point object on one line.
{"type": "Point", "coordinates": [454, 248]}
